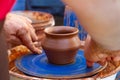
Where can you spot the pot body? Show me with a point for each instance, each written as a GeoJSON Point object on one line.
{"type": "Point", "coordinates": [61, 44]}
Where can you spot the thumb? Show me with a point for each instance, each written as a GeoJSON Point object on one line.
{"type": "Point", "coordinates": [89, 63]}
{"type": "Point", "coordinates": [102, 62]}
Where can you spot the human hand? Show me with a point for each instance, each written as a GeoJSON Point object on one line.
{"type": "Point", "coordinates": [18, 30]}
{"type": "Point", "coordinates": [94, 54]}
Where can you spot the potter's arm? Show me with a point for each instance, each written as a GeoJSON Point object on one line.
{"type": "Point", "coordinates": [101, 19]}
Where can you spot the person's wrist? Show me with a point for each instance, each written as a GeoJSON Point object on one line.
{"type": "Point", "coordinates": [100, 49]}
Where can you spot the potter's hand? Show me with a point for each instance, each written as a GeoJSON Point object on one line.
{"type": "Point", "coordinates": [19, 30]}
{"type": "Point", "coordinates": [91, 54]}
{"type": "Point", "coordinates": [94, 53]}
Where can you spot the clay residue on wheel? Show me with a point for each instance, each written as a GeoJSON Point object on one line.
{"type": "Point", "coordinates": [112, 68]}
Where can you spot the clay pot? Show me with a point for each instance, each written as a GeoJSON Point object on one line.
{"type": "Point", "coordinates": [61, 44]}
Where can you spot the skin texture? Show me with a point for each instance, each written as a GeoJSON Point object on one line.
{"type": "Point", "coordinates": [101, 19]}
{"type": "Point", "coordinates": [19, 30]}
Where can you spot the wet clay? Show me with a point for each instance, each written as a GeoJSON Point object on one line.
{"type": "Point", "coordinates": [61, 44]}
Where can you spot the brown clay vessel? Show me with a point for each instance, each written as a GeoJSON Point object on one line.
{"type": "Point", "coordinates": [61, 44]}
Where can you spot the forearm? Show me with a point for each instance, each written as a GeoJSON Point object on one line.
{"type": "Point", "coordinates": [100, 19]}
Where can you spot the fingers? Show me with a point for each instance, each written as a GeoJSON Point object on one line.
{"type": "Point", "coordinates": [21, 30]}
{"type": "Point", "coordinates": [28, 36]}
{"type": "Point", "coordinates": [31, 29]}
{"type": "Point", "coordinates": [102, 62]}
{"type": "Point", "coordinates": [92, 58]}
{"type": "Point", "coordinates": [89, 63]}
{"type": "Point", "coordinates": [25, 37]}
{"type": "Point", "coordinates": [28, 20]}
{"type": "Point", "coordinates": [37, 44]}
{"type": "Point", "coordinates": [116, 58]}
{"type": "Point", "coordinates": [32, 33]}
{"type": "Point", "coordinates": [92, 54]}
{"type": "Point", "coordinates": [111, 68]}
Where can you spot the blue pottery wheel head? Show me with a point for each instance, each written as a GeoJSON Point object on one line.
{"type": "Point", "coordinates": [38, 66]}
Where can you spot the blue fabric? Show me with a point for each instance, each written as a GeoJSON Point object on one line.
{"type": "Point", "coordinates": [55, 7]}
{"type": "Point", "coordinates": [70, 19]}
{"type": "Point", "coordinates": [46, 3]}
{"type": "Point", "coordinates": [19, 5]}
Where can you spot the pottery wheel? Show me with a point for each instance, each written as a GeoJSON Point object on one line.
{"type": "Point", "coordinates": [38, 66]}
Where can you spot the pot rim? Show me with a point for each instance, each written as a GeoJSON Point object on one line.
{"type": "Point", "coordinates": [55, 29]}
